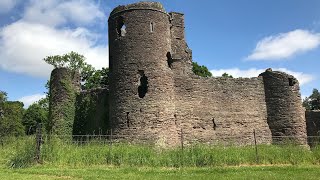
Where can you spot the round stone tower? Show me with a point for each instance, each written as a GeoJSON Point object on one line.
{"type": "Point", "coordinates": [284, 107]}
{"type": "Point", "coordinates": [64, 86]}
{"type": "Point", "coordinates": [141, 80]}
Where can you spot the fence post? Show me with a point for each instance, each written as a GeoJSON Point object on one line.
{"type": "Point", "coordinates": [1, 141]}
{"type": "Point", "coordinates": [255, 145]}
{"type": "Point", "coordinates": [181, 138]}
{"type": "Point", "coordinates": [38, 142]}
{"type": "Point", "coordinates": [111, 138]}
{"type": "Point", "coordinates": [182, 154]}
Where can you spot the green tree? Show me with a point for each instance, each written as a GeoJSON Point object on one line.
{"type": "Point", "coordinates": [96, 79]}
{"type": "Point", "coordinates": [313, 101]}
{"type": "Point", "coordinates": [306, 103]}
{"type": "Point", "coordinates": [73, 61]}
{"type": "Point", "coordinates": [35, 114]}
{"type": "Point", "coordinates": [11, 122]}
{"type": "Point", "coordinates": [226, 75]}
{"type": "Point", "coordinates": [200, 70]}
{"type": "Point", "coordinates": [3, 98]}
{"type": "Point", "coordinates": [90, 77]}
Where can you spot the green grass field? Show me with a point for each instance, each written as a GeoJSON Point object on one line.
{"type": "Point", "coordinates": [67, 160]}
{"type": "Point", "coordinates": [107, 172]}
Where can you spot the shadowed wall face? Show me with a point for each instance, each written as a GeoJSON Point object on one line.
{"type": "Point", "coordinates": [313, 126]}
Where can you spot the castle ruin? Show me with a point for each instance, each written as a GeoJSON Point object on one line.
{"type": "Point", "coordinates": [154, 95]}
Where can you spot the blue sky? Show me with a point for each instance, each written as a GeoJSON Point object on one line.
{"type": "Point", "coordinates": [242, 38]}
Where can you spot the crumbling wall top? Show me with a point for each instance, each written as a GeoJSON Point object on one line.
{"type": "Point", "coordinates": [280, 76]}
{"type": "Point", "coordinates": [155, 6]}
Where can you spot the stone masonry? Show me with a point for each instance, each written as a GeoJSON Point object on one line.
{"type": "Point", "coordinates": [144, 39]}
{"type": "Point", "coordinates": [154, 95]}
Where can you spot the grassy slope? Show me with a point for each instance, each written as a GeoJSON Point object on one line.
{"type": "Point", "coordinates": [107, 172]}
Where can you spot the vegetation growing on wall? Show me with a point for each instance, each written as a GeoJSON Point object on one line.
{"type": "Point", "coordinates": [63, 91]}
{"type": "Point", "coordinates": [62, 102]}
{"type": "Point", "coordinates": [63, 105]}
{"type": "Point", "coordinates": [91, 113]}
{"type": "Point", "coordinates": [226, 75]}
{"type": "Point", "coordinates": [200, 70]}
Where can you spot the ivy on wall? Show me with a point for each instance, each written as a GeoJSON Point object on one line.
{"type": "Point", "coordinates": [62, 102]}
{"type": "Point", "coordinates": [92, 112]}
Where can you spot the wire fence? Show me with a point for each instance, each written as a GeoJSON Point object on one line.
{"type": "Point", "coordinates": [236, 148]}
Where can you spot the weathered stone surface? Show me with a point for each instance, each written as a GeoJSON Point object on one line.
{"type": "Point", "coordinates": [206, 109]}
{"type": "Point", "coordinates": [154, 95]}
{"type": "Point", "coordinates": [142, 52]}
{"type": "Point", "coordinates": [284, 107]}
{"type": "Point", "coordinates": [313, 126]}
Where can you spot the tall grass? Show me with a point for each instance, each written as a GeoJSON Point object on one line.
{"type": "Point", "coordinates": [65, 153]}
{"type": "Point", "coordinates": [17, 153]}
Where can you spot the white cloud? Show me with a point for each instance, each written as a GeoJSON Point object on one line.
{"type": "Point", "coordinates": [303, 78]}
{"type": "Point", "coordinates": [60, 12]}
{"type": "Point", "coordinates": [23, 45]}
{"type": "Point", "coordinates": [285, 45]}
{"type": "Point", "coordinates": [44, 30]}
{"type": "Point", "coordinates": [28, 100]}
{"type": "Point", "coordinates": [7, 5]}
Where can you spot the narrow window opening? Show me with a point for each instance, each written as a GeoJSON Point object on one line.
{"type": "Point", "coordinates": [143, 87]}
{"type": "Point", "coordinates": [128, 121]}
{"type": "Point", "coordinates": [291, 82]}
{"type": "Point", "coordinates": [123, 30]}
{"type": "Point", "coordinates": [175, 119]}
{"type": "Point", "coordinates": [151, 26]}
{"type": "Point", "coordinates": [121, 27]}
{"type": "Point", "coordinates": [169, 60]}
{"type": "Point", "coordinates": [214, 124]}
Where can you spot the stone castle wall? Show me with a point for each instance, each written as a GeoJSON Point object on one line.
{"type": "Point", "coordinates": [221, 109]}
{"type": "Point", "coordinates": [206, 109]}
{"type": "Point", "coordinates": [284, 106]}
{"type": "Point", "coordinates": [313, 126]}
{"type": "Point", "coordinates": [313, 122]}
{"type": "Point", "coordinates": [155, 96]}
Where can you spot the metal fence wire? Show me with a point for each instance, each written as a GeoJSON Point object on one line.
{"type": "Point", "coordinates": [253, 142]}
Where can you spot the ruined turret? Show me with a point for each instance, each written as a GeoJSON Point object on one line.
{"type": "Point", "coordinates": [64, 85]}
{"type": "Point", "coordinates": [284, 108]}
